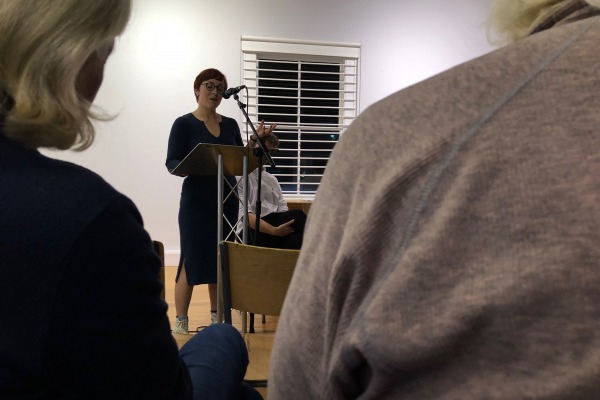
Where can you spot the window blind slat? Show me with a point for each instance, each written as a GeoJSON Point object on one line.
{"type": "Point", "coordinates": [311, 97]}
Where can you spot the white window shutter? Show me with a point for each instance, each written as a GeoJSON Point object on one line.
{"type": "Point", "coordinates": [310, 90]}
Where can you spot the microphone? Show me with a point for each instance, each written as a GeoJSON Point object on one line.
{"type": "Point", "coordinates": [231, 91]}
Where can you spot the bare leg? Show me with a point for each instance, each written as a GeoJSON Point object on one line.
{"type": "Point", "coordinates": [183, 294]}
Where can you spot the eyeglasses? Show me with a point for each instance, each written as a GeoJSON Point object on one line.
{"type": "Point", "coordinates": [210, 86]}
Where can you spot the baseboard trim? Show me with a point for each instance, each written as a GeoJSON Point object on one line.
{"type": "Point", "coordinates": [172, 258]}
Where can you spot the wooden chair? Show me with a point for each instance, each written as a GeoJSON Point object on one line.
{"type": "Point", "coordinates": [255, 280]}
{"type": "Point", "coordinates": [303, 205]}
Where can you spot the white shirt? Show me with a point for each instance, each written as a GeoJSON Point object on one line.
{"type": "Point", "coordinates": [270, 195]}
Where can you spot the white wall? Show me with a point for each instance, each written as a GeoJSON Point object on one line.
{"type": "Point", "coordinates": [148, 80]}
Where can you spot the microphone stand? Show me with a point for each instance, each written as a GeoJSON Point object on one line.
{"type": "Point", "coordinates": [259, 152]}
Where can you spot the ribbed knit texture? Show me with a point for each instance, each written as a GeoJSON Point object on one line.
{"type": "Point", "coordinates": [453, 248]}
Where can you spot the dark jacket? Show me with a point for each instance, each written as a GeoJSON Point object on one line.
{"type": "Point", "coordinates": [80, 309]}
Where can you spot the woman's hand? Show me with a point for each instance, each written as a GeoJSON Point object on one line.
{"type": "Point", "coordinates": [284, 229]}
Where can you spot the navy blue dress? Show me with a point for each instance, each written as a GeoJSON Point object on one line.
{"type": "Point", "coordinates": [199, 198]}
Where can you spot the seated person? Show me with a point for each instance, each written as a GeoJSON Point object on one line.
{"type": "Point", "coordinates": [467, 266]}
{"type": "Point", "coordinates": [279, 227]}
{"type": "Point", "coordinates": [81, 312]}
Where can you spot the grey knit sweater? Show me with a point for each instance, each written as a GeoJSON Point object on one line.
{"type": "Point", "coordinates": [453, 251]}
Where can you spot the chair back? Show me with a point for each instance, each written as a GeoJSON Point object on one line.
{"type": "Point", "coordinates": [159, 248]}
{"type": "Point", "coordinates": [255, 279]}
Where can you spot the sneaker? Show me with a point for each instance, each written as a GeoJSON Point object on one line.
{"type": "Point", "coordinates": [181, 326]}
{"type": "Point", "coordinates": [213, 318]}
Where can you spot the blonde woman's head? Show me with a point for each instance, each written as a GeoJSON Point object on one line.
{"type": "Point", "coordinates": [52, 55]}
{"type": "Point", "coordinates": [512, 20]}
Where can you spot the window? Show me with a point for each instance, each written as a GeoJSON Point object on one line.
{"type": "Point", "coordinates": [310, 90]}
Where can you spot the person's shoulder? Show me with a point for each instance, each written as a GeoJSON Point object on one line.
{"type": "Point", "coordinates": [269, 176]}
{"type": "Point", "coordinates": [184, 123]}
{"type": "Point", "coordinates": [78, 182]}
{"type": "Point", "coordinates": [185, 119]}
{"type": "Point", "coordinates": [231, 128]}
{"type": "Point", "coordinates": [432, 111]}
{"type": "Point", "coordinates": [53, 181]}
{"type": "Point", "coordinates": [228, 120]}
{"type": "Point", "coordinates": [56, 197]}
{"type": "Point", "coordinates": [422, 125]}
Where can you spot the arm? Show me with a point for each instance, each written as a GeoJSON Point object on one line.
{"type": "Point", "coordinates": [238, 134]}
{"type": "Point", "coordinates": [178, 140]}
{"type": "Point", "coordinates": [110, 335]}
{"type": "Point", "coordinates": [282, 206]}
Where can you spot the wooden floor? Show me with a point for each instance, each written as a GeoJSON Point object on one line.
{"type": "Point", "coordinates": [199, 315]}
{"type": "Point", "coordinates": [199, 312]}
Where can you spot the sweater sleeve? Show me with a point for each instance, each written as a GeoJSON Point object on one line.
{"type": "Point", "coordinates": [177, 149]}
{"type": "Point", "coordinates": [238, 139]}
{"type": "Point", "coordinates": [238, 134]}
{"type": "Point", "coordinates": [110, 335]}
{"type": "Point", "coordinates": [233, 132]}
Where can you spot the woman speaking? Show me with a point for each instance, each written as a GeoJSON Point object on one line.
{"type": "Point", "coordinates": [198, 205]}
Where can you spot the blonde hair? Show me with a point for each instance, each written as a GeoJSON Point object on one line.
{"type": "Point", "coordinates": [43, 47]}
{"type": "Point", "coordinates": [512, 20]}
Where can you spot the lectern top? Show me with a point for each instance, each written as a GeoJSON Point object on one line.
{"type": "Point", "coordinates": [203, 160]}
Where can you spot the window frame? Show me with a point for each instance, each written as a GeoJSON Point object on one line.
{"type": "Point", "coordinates": [347, 55]}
